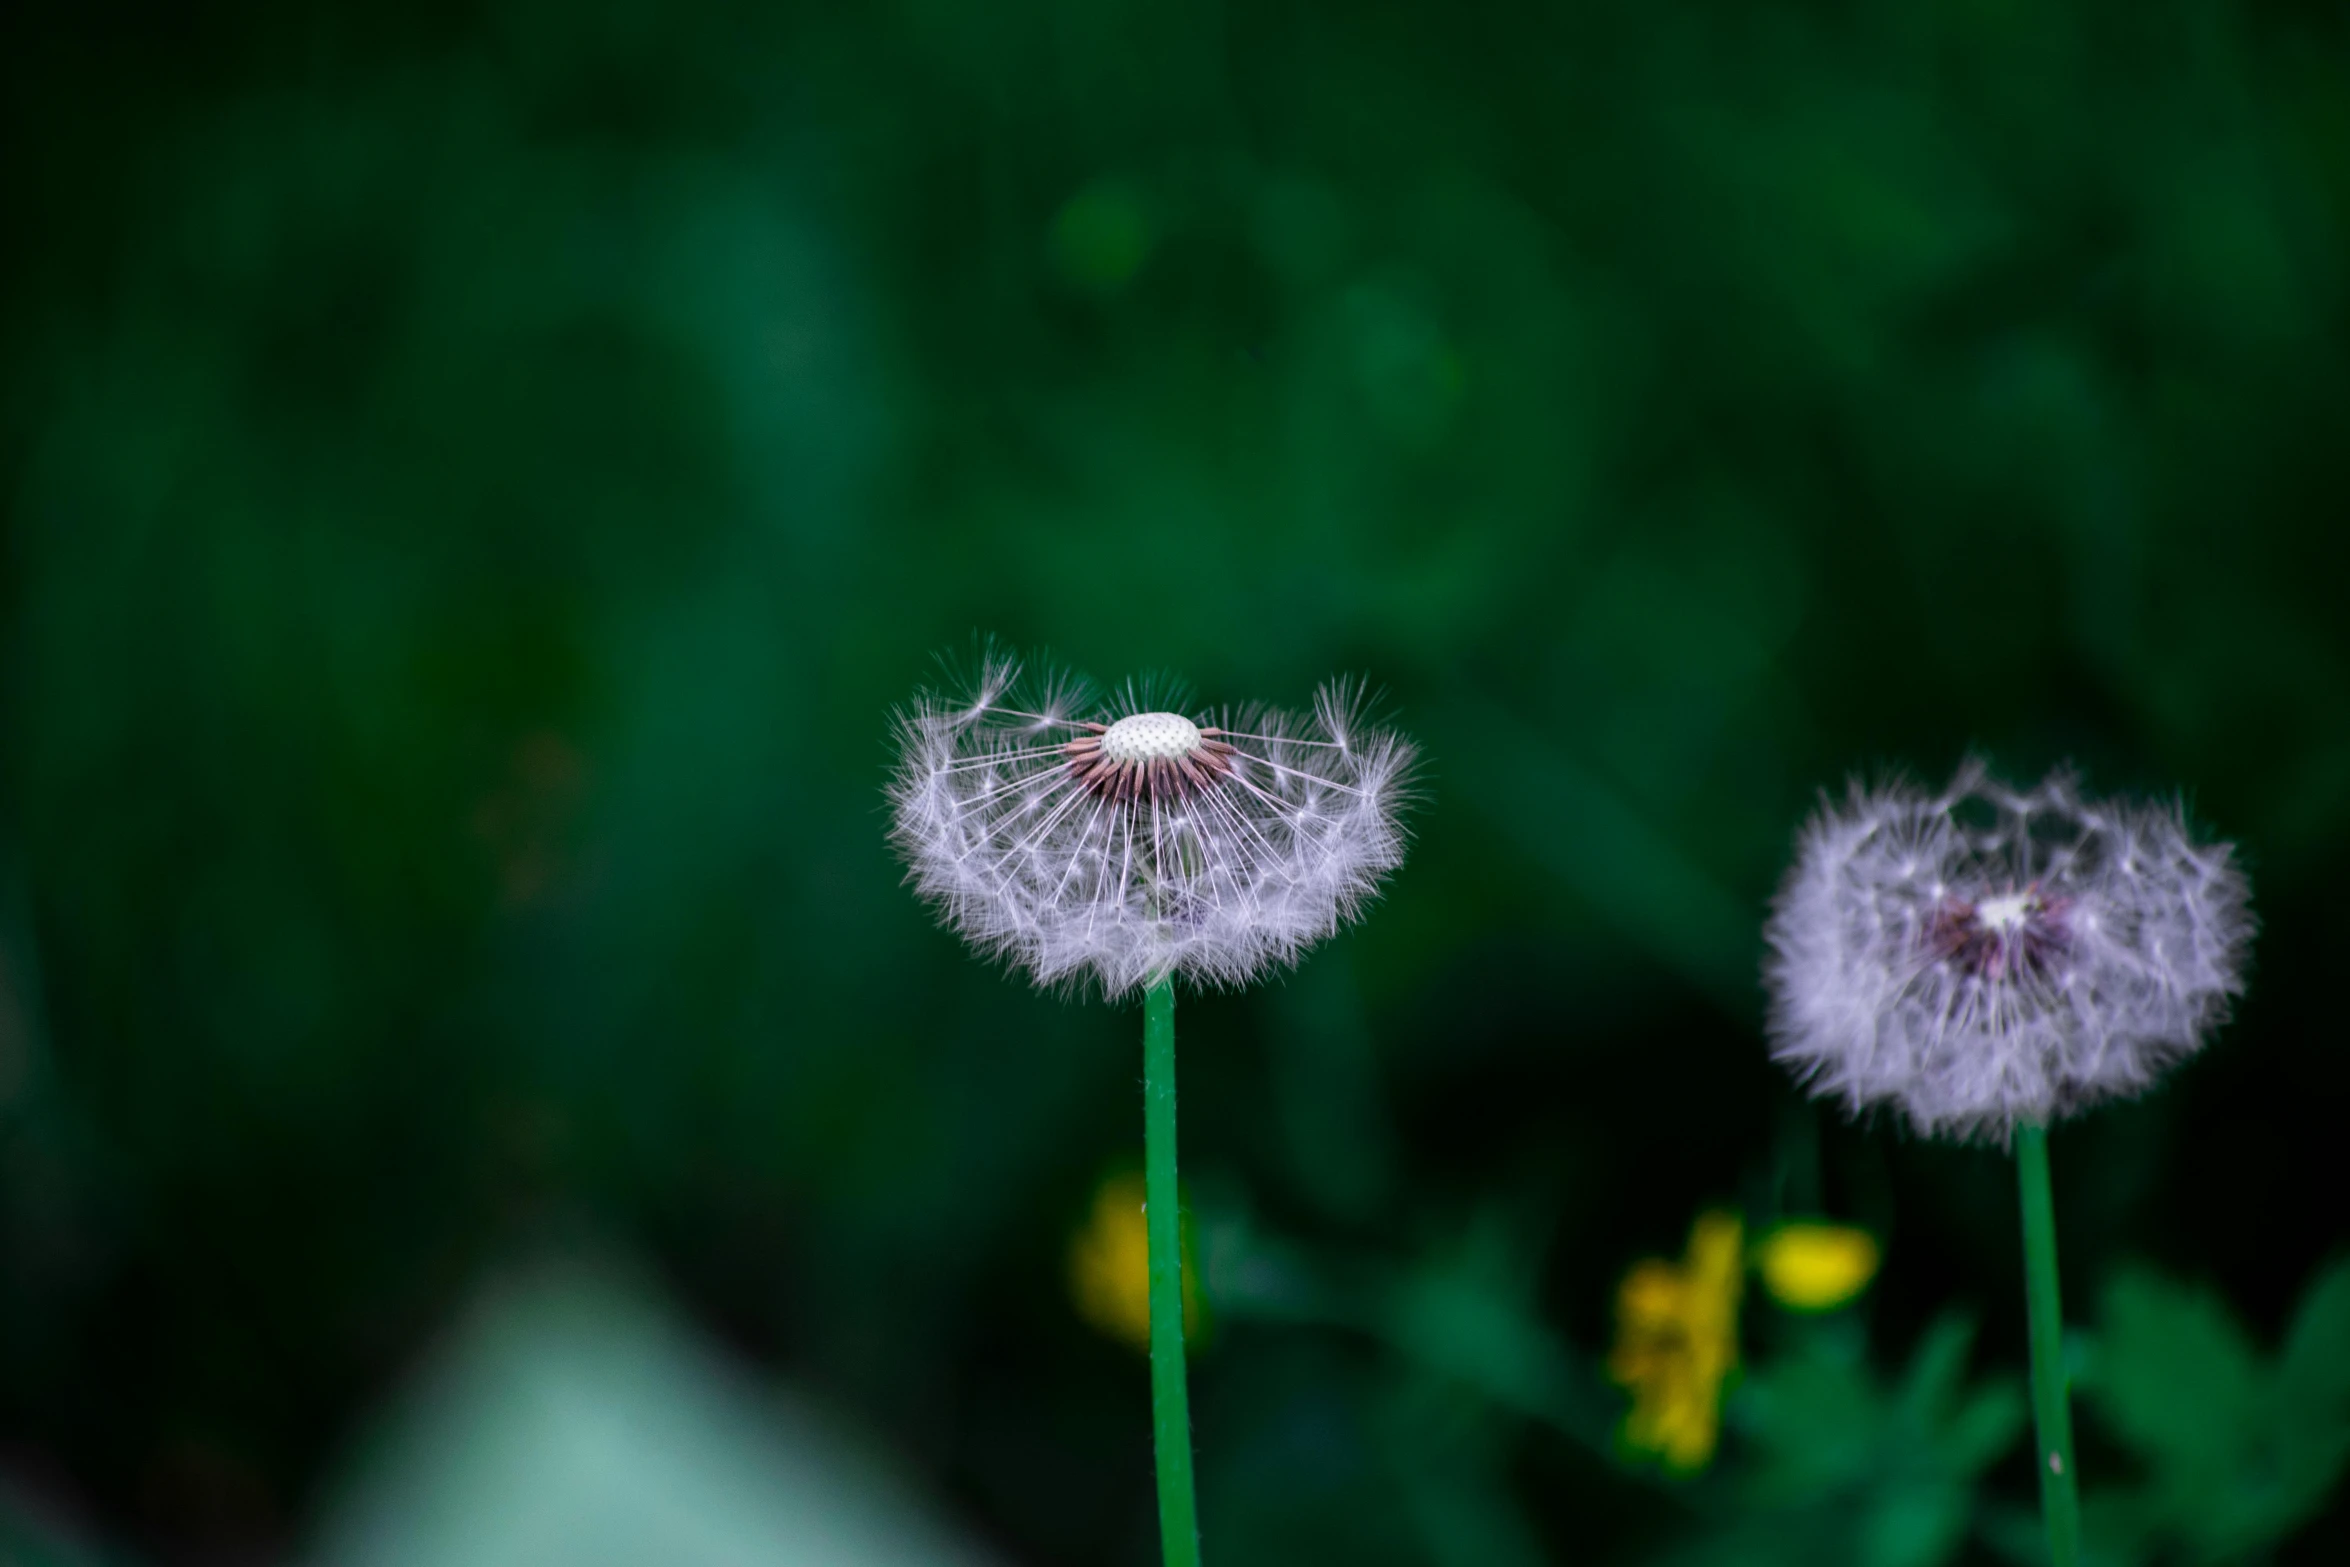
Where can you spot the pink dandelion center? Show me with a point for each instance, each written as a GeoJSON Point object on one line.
{"type": "Point", "coordinates": [2016, 933]}
{"type": "Point", "coordinates": [1122, 841]}
{"type": "Point", "coordinates": [1988, 956]}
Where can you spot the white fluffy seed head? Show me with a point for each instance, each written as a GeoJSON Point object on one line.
{"type": "Point", "coordinates": [1989, 957]}
{"type": "Point", "coordinates": [1150, 737]}
{"type": "Point", "coordinates": [1090, 845]}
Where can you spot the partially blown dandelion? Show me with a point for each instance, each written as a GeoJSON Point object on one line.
{"type": "Point", "coordinates": [1080, 838]}
{"type": "Point", "coordinates": [1990, 957]}
{"type": "Point", "coordinates": [1127, 843]}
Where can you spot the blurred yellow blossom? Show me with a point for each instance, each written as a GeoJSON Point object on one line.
{"type": "Point", "coordinates": [1109, 1266]}
{"type": "Point", "coordinates": [1677, 1343]}
{"type": "Point", "coordinates": [1810, 1266]}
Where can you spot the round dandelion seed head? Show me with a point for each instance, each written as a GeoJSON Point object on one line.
{"type": "Point", "coordinates": [1988, 957]}
{"type": "Point", "coordinates": [1119, 842]}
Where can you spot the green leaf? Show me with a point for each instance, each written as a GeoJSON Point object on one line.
{"type": "Point", "coordinates": [1818, 1420]}
{"type": "Point", "coordinates": [2241, 1450]}
{"type": "Point", "coordinates": [1984, 1427]}
{"type": "Point", "coordinates": [2175, 1377]}
{"type": "Point", "coordinates": [2314, 1367]}
{"type": "Point", "coordinates": [1937, 1369]}
{"type": "Point", "coordinates": [2313, 1394]}
{"type": "Point", "coordinates": [1917, 1524]}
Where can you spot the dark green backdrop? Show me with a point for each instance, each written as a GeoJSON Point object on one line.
{"type": "Point", "coordinates": [477, 478]}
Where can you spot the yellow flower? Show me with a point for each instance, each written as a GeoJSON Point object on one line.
{"type": "Point", "coordinates": [1816, 1267]}
{"type": "Point", "coordinates": [1109, 1266]}
{"type": "Point", "coordinates": [1677, 1343]}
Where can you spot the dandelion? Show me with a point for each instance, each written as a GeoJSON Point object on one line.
{"type": "Point", "coordinates": [1677, 1344]}
{"type": "Point", "coordinates": [1989, 960]}
{"type": "Point", "coordinates": [1121, 843]}
{"type": "Point", "coordinates": [1810, 1266]}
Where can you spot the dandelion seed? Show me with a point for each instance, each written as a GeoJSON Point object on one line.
{"type": "Point", "coordinates": [1124, 842]}
{"type": "Point", "coordinates": [1988, 958]}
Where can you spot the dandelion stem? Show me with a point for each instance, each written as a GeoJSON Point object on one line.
{"type": "Point", "coordinates": [2060, 1503]}
{"type": "Point", "coordinates": [1170, 1400]}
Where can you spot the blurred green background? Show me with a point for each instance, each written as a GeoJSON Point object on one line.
{"type": "Point", "coordinates": [478, 476]}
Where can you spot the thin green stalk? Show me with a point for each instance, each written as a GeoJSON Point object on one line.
{"type": "Point", "coordinates": [1170, 1400]}
{"type": "Point", "coordinates": [2060, 1502]}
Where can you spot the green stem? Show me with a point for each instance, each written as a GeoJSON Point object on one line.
{"type": "Point", "coordinates": [1163, 1212]}
{"type": "Point", "coordinates": [2060, 1503]}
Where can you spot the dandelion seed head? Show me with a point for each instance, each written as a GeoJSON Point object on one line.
{"type": "Point", "coordinates": [1118, 842]}
{"type": "Point", "coordinates": [1987, 957]}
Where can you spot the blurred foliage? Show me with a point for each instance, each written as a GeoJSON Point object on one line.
{"type": "Point", "coordinates": [477, 475]}
{"type": "Point", "coordinates": [1850, 1469]}
{"type": "Point", "coordinates": [1832, 1461]}
{"type": "Point", "coordinates": [2237, 1449]}
{"type": "Point", "coordinates": [568, 1422]}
